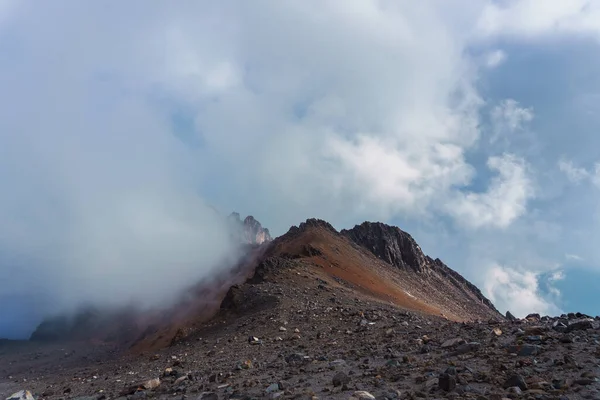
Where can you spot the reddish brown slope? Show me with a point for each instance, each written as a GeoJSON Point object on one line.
{"type": "Point", "coordinates": [340, 261]}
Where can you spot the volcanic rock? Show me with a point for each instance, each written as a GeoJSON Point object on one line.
{"type": "Point", "coordinates": [22, 395]}
{"type": "Point", "coordinates": [248, 231]}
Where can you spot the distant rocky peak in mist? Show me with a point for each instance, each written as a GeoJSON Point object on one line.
{"type": "Point", "coordinates": [248, 231]}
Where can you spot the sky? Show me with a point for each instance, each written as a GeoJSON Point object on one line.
{"type": "Point", "coordinates": [470, 124]}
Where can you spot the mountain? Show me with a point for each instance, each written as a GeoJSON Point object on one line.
{"type": "Point", "coordinates": [378, 261]}
{"type": "Point", "coordinates": [371, 261]}
{"type": "Point", "coordinates": [398, 248]}
{"type": "Point", "coordinates": [248, 231]}
{"type": "Point", "coordinates": [315, 313]}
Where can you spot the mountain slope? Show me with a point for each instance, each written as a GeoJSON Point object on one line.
{"type": "Point", "coordinates": [399, 249]}
{"type": "Point", "coordinates": [377, 261]}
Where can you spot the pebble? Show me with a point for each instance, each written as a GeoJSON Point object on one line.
{"type": "Point", "coordinates": [151, 384]}
{"type": "Point", "coordinates": [524, 350]}
{"type": "Point", "coordinates": [362, 395]}
{"type": "Point", "coordinates": [452, 343]}
{"type": "Point", "coordinates": [272, 388]}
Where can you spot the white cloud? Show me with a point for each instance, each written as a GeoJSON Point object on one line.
{"type": "Point", "coordinates": [574, 174]}
{"type": "Point", "coordinates": [508, 117]}
{"type": "Point", "coordinates": [573, 257]}
{"type": "Point", "coordinates": [517, 291]}
{"type": "Point", "coordinates": [505, 199]}
{"type": "Point", "coordinates": [577, 174]}
{"type": "Point", "coordinates": [535, 17]}
{"type": "Point", "coordinates": [495, 58]}
{"type": "Point", "coordinates": [557, 276]}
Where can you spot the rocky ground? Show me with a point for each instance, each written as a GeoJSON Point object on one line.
{"type": "Point", "coordinates": [311, 341]}
{"type": "Point", "coordinates": [325, 317]}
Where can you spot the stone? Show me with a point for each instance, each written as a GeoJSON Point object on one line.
{"type": "Point", "coordinates": [452, 343]}
{"type": "Point", "coordinates": [510, 317]}
{"type": "Point", "coordinates": [254, 340]}
{"type": "Point", "coordinates": [515, 390]}
{"type": "Point", "coordinates": [151, 384]}
{"type": "Point", "coordinates": [559, 326]}
{"type": "Point", "coordinates": [340, 379]}
{"type": "Point", "coordinates": [580, 325]}
{"type": "Point", "coordinates": [447, 382]}
{"type": "Point", "coordinates": [450, 371]}
{"type": "Point", "coordinates": [524, 350]}
{"type": "Point", "coordinates": [362, 395]}
{"type": "Point", "coordinates": [180, 379]}
{"type": "Point", "coordinates": [533, 317]}
{"type": "Point", "coordinates": [337, 363]}
{"type": "Point", "coordinates": [466, 348]}
{"type": "Point", "coordinates": [22, 395]}
{"type": "Point", "coordinates": [208, 396]}
{"type": "Point", "coordinates": [585, 381]}
{"type": "Point", "coordinates": [274, 387]}
{"type": "Point", "coordinates": [515, 380]}
{"type": "Point", "coordinates": [297, 359]}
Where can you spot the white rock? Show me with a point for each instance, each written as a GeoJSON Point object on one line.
{"type": "Point", "coordinates": [152, 384]}
{"type": "Point", "coordinates": [22, 395]}
{"type": "Point", "coordinates": [362, 395]}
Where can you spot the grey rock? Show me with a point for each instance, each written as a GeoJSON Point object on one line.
{"type": "Point", "coordinates": [525, 350]}
{"type": "Point", "coordinates": [515, 380]}
{"type": "Point", "coordinates": [272, 388]}
{"type": "Point", "coordinates": [337, 363]}
{"type": "Point", "coordinates": [510, 317]}
{"type": "Point", "coordinates": [466, 348]}
{"type": "Point", "coordinates": [297, 359]}
{"type": "Point", "coordinates": [452, 343]}
{"type": "Point", "coordinates": [515, 390]}
{"type": "Point", "coordinates": [585, 381]}
{"type": "Point", "coordinates": [447, 382]}
{"type": "Point", "coordinates": [340, 379]}
{"type": "Point", "coordinates": [580, 325]}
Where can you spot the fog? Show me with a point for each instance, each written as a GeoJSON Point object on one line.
{"type": "Point", "coordinates": [99, 214]}
{"type": "Point", "coordinates": [100, 199]}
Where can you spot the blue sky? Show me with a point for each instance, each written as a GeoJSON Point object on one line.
{"type": "Point", "coordinates": [470, 124]}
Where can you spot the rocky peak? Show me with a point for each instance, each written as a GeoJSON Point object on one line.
{"type": "Point", "coordinates": [309, 223]}
{"type": "Point", "coordinates": [390, 244]}
{"type": "Point", "coordinates": [248, 231]}
{"type": "Point", "coordinates": [398, 248]}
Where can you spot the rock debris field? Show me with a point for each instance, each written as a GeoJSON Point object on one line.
{"type": "Point", "coordinates": [311, 344]}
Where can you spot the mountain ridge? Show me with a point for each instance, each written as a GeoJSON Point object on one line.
{"type": "Point", "coordinates": [371, 259]}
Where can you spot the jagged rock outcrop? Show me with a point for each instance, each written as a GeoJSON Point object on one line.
{"type": "Point", "coordinates": [389, 243]}
{"type": "Point", "coordinates": [248, 231]}
{"type": "Point", "coordinates": [398, 248]}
